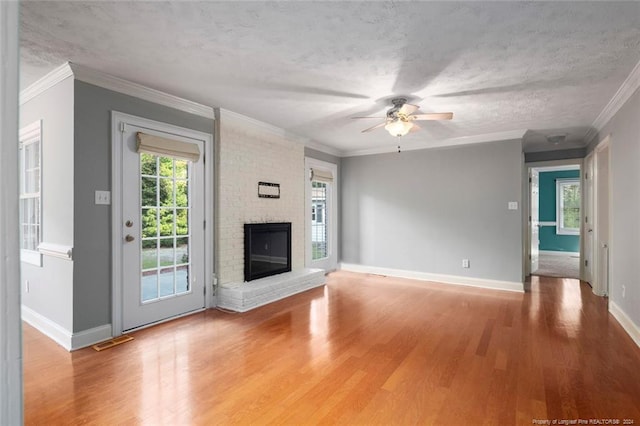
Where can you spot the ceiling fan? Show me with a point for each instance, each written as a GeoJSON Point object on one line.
{"type": "Point", "coordinates": [400, 118]}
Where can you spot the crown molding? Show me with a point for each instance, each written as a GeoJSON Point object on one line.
{"type": "Point", "coordinates": [324, 148]}
{"type": "Point", "coordinates": [628, 88]}
{"type": "Point", "coordinates": [244, 120]}
{"type": "Point", "coordinates": [426, 144]}
{"type": "Point", "coordinates": [116, 84]}
{"type": "Point", "coordinates": [59, 74]}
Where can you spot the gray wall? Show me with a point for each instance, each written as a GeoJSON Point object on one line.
{"type": "Point", "coordinates": [427, 210]}
{"type": "Point", "coordinates": [92, 164]}
{"type": "Point", "coordinates": [562, 154]}
{"type": "Point", "coordinates": [624, 129]}
{"type": "Point", "coordinates": [51, 286]}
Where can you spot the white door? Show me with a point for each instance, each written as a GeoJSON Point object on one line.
{"type": "Point", "coordinates": [321, 215]}
{"type": "Point", "coordinates": [602, 219]}
{"type": "Point", "coordinates": [534, 223]}
{"type": "Point", "coordinates": [587, 264]}
{"type": "Point", "coordinates": [162, 233]}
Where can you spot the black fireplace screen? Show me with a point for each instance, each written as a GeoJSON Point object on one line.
{"type": "Point", "coordinates": [267, 249]}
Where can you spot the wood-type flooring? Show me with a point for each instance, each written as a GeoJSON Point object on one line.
{"type": "Point", "coordinates": [364, 349]}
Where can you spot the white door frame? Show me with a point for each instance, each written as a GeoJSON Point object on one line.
{"type": "Point", "coordinates": [587, 272]}
{"type": "Point", "coordinates": [549, 165]}
{"type": "Point", "coordinates": [331, 263]}
{"type": "Point", "coordinates": [10, 323]}
{"type": "Point", "coordinates": [599, 288]}
{"type": "Point", "coordinates": [117, 119]}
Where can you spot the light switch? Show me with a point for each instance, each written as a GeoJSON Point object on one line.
{"type": "Point", "coordinates": [513, 205]}
{"type": "Point", "coordinates": [103, 197]}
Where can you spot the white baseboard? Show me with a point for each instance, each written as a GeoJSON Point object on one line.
{"type": "Point", "coordinates": [559, 253]}
{"type": "Point", "coordinates": [439, 278]}
{"type": "Point", "coordinates": [44, 325]}
{"type": "Point", "coordinates": [65, 338]}
{"type": "Point", "coordinates": [91, 336]}
{"type": "Point", "coordinates": [629, 326]}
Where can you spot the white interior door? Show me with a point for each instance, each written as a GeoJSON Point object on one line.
{"type": "Point", "coordinates": [162, 233]}
{"type": "Point", "coordinates": [588, 232]}
{"type": "Point", "coordinates": [534, 223]}
{"type": "Point", "coordinates": [602, 219]}
{"type": "Point", "coordinates": [322, 215]}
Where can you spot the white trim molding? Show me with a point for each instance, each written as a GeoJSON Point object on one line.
{"type": "Point", "coordinates": [629, 326]}
{"type": "Point", "coordinates": [243, 120]}
{"type": "Point", "coordinates": [54, 77]}
{"type": "Point", "coordinates": [56, 250]}
{"type": "Point", "coordinates": [425, 144]}
{"type": "Point", "coordinates": [65, 338]}
{"type": "Point", "coordinates": [85, 338]}
{"type": "Point", "coordinates": [116, 84]}
{"type": "Point", "coordinates": [324, 148]}
{"type": "Point", "coordinates": [622, 95]}
{"type": "Point", "coordinates": [511, 286]}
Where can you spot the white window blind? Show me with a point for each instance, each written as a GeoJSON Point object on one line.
{"type": "Point", "coordinates": [165, 147]}
{"type": "Point", "coordinates": [321, 175]}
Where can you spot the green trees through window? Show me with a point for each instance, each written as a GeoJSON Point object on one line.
{"type": "Point", "coordinates": [164, 195]}
{"type": "Point", "coordinates": [568, 215]}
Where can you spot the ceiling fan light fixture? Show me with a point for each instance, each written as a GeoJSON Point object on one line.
{"type": "Point", "coordinates": [398, 127]}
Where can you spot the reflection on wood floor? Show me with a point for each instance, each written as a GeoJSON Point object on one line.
{"type": "Point", "coordinates": [365, 349]}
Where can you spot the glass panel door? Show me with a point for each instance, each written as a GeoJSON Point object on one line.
{"type": "Point", "coordinates": [164, 191]}
{"type": "Point", "coordinates": [319, 219]}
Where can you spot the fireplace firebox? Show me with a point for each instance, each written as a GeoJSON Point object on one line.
{"type": "Point", "coordinates": [267, 249]}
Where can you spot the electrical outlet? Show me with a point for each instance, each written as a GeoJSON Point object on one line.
{"type": "Point", "coordinates": [103, 197]}
{"type": "Point", "coordinates": [624, 291]}
{"type": "Point", "coordinates": [465, 263]}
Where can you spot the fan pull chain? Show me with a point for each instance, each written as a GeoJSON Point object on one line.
{"type": "Point", "coordinates": [398, 148]}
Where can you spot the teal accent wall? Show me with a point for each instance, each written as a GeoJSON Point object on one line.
{"type": "Point", "coordinates": [549, 240]}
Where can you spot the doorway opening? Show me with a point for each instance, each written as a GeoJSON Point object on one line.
{"type": "Point", "coordinates": [555, 225]}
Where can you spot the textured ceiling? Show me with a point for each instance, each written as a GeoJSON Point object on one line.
{"type": "Point", "coordinates": [307, 67]}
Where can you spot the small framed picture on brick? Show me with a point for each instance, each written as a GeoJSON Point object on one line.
{"type": "Point", "coordinates": [268, 190]}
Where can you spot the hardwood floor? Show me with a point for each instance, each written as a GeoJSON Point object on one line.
{"type": "Point", "coordinates": [364, 349]}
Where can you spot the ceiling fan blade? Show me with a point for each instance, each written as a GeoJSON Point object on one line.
{"type": "Point", "coordinates": [379, 118]}
{"type": "Point", "coordinates": [415, 128]}
{"type": "Point", "coordinates": [432, 116]}
{"type": "Point", "coordinates": [408, 109]}
{"type": "Point", "coordinates": [374, 127]}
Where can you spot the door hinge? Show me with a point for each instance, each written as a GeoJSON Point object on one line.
{"type": "Point", "coordinates": [586, 262]}
{"type": "Point", "coordinates": [529, 218]}
{"type": "Point", "coordinates": [586, 219]}
{"type": "Point", "coordinates": [204, 159]}
{"type": "Point", "coordinates": [204, 224]}
{"type": "Point", "coordinates": [529, 180]}
{"type": "Point", "coordinates": [529, 257]}
{"type": "Point", "coordinates": [122, 126]}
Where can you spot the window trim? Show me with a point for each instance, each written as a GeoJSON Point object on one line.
{"type": "Point", "coordinates": [560, 229]}
{"type": "Point", "coordinates": [31, 134]}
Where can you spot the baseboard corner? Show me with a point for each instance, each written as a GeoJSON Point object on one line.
{"type": "Point", "coordinates": [627, 324]}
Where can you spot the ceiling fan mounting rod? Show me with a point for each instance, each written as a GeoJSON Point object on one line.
{"type": "Point", "coordinates": [397, 104]}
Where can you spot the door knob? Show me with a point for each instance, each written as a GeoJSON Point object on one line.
{"type": "Point", "coordinates": [128, 224]}
{"type": "Point", "coordinates": [129, 238]}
